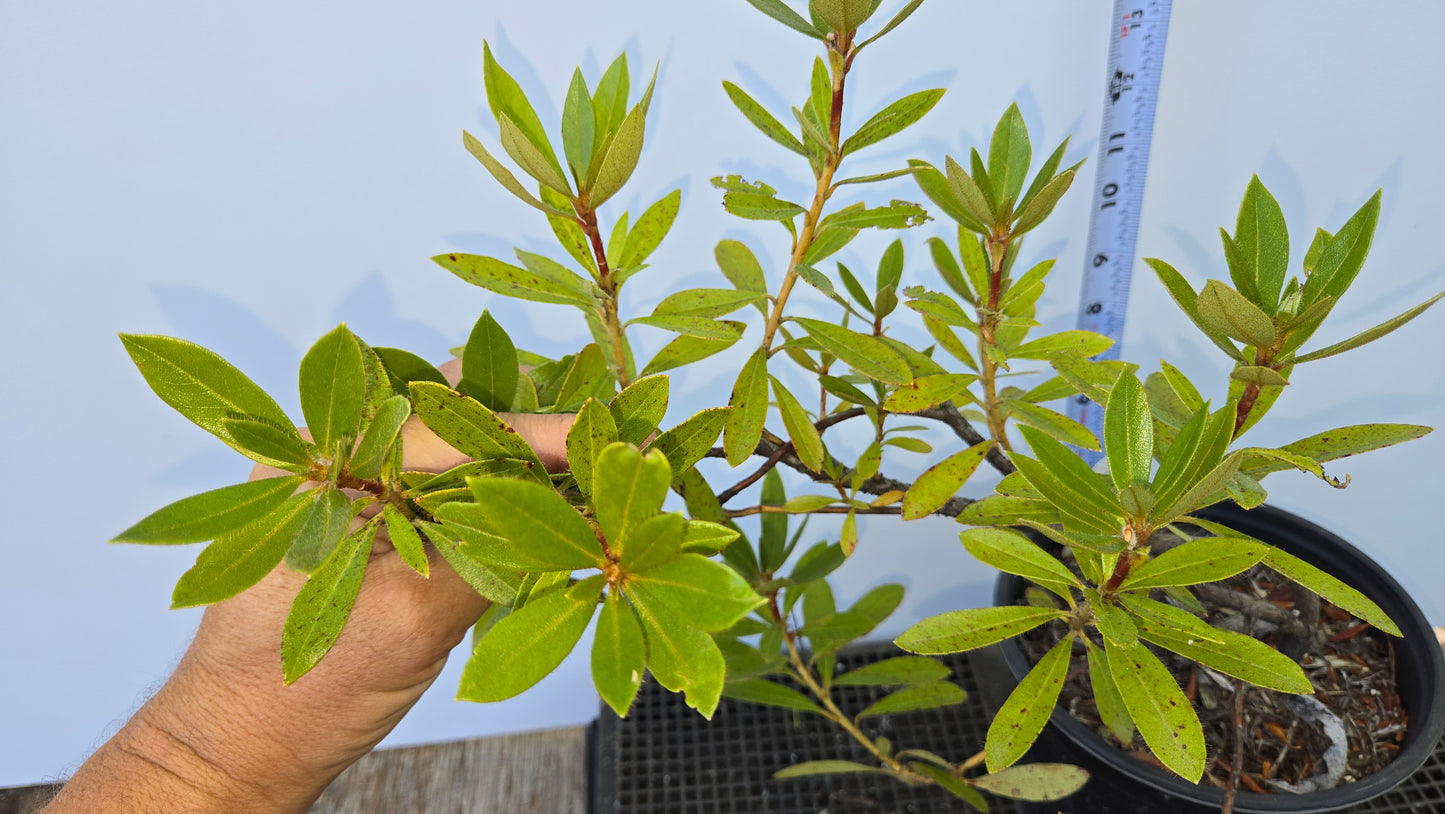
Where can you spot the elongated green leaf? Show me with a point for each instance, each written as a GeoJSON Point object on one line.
{"type": "Point", "coordinates": [505, 177]}
{"type": "Point", "coordinates": [579, 125]}
{"type": "Point", "coordinates": [749, 409]}
{"type": "Point", "coordinates": [637, 410]}
{"type": "Point", "coordinates": [709, 595]}
{"type": "Point", "coordinates": [629, 488]}
{"type": "Point", "coordinates": [500, 587]}
{"type": "Point", "coordinates": [1078, 489]}
{"type": "Point", "coordinates": [762, 119]}
{"type": "Point", "coordinates": [1228, 312]}
{"type": "Point", "coordinates": [1226, 651]}
{"type": "Point", "coordinates": [1188, 301]}
{"type": "Point", "coordinates": [328, 513]}
{"type": "Point", "coordinates": [1013, 553]}
{"type": "Point", "coordinates": [1344, 254]}
{"type": "Point", "coordinates": [1129, 433]}
{"type": "Point", "coordinates": [866, 354]}
{"type": "Point", "coordinates": [1263, 239]}
{"type": "Point", "coordinates": [323, 605]}
{"type": "Point", "coordinates": [685, 444]}
{"type": "Point", "coordinates": [927, 391]}
{"type": "Point", "coordinates": [406, 540]}
{"type": "Point", "coordinates": [210, 514]}
{"type": "Point", "coordinates": [404, 367]}
{"type": "Point", "coordinates": [968, 192]}
{"type": "Point", "coordinates": [1371, 335]}
{"type": "Point", "coordinates": [609, 102]}
{"type": "Point", "coordinates": [620, 160]}
{"type": "Point", "coordinates": [1055, 424]}
{"type": "Point", "coordinates": [380, 437]}
{"type": "Point", "coordinates": [1005, 510]}
{"type": "Point", "coordinates": [333, 385]}
{"type": "Point", "coordinates": [685, 350]}
{"type": "Point", "coordinates": [957, 631]}
{"type": "Point", "coordinates": [740, 266]}
{"type": "Point", "coordinates": [619, 654]}
{"type": "Point", "coordinates": [1203, 492]}
{"type": "Point", "coordinates": [807, 442]}
{"type": "Point", "coordinates": [1009, 154]}
{"type": "Point", "coordinates": [235, 562]}
{"type": "Point", "coordinates": [1159, 708]}
{"type": "Point", "coordinates": [756, 206]}
{"type": "Point", "coordinates": [199, 384]}
{"type": "Point", "coordinates": [892, 119]}
{"type": "Point", "coordinates": [1339, 443]}
{"type": "Point", "coordinates": [535, 519]}
{"type": "Point", "coordinates": [1331, 589]}
{"type": "Point", "coordinates": [817, 767]}
{"type": "Point", "coordinates": [525, 646]}
{"type": "Point", "coordinates": [1022, 717]}
{"type": "Point", "coordinates": [505, 97]}
{"type": "Point", "coordinates": [895, 672]}
{"type": "Point", "coordinates": [1041, 782]}
{"type": "Point", "coordinates": [541, 166]}
{"type": "Point", "coordinates": [1112, 710]}
{"type": "Point", "coordinates": [656, 540]}
{"type": "Point", "coordinates": [767, 693]}
{"type": "Point", "coordinates": [936, 186]}
{"type": "Point", "coordinates": [650, 229]}
{"type": "Point", "coordinates": [504, 278]}
{"type": "Point", "coordinates": [701, 327]}
{"type": "Point", "coordinates": [489, 365]}
{"type": "Point", "coordinates": [1042, 205]}
{"type": "Point", "coordinates": [681, 657]}
{"type": "Point", "coordinates": [903, 14]}
{"type": "Point", "coordinates": [265, 443]}
{"type": "Point", "coordinates": [942, 481]}
{"type": "Point", "coordinates": [468, 426]}
{"type": "Point", "coordinates": [911, 699]}
{"type": "Point", "coordinates": [1080, 343]}
{"type": "Point", "coordinates": [781, 12]}
{"type": "Point", "coordinates": [591, 432]}
{"type": "Point", "coordinates": [1207, 560]}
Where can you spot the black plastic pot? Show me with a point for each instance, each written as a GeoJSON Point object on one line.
{"type": "Point", "coordinates": [1122, 784]}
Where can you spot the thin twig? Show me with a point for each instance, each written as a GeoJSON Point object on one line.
{"type": "Point", "coordinates": [949, 414]}
{"type": "Point", "coordinates": [1237, 768]}
{"type": "Point", "coordinates": [732, 491]}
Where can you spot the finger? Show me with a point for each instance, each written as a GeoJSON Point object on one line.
{"type": "Point", "coordinates": [546, 433]}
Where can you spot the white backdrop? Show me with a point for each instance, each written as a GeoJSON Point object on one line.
{"type": "Point", "coordinates": [248, 175]}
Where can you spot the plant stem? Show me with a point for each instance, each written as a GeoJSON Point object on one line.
{"type": "Point", "coordinates": [988, 337]}
{"type": "Point", "coordinates": [821, 194]}
{"type": "Point", "coordinates": [609, 287]}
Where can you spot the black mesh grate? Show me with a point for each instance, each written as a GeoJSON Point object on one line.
{"type": "Point", "coordinates": [665, 759]}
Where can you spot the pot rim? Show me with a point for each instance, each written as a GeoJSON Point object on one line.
{"type": "Point", "coordinates": [1311, 543]}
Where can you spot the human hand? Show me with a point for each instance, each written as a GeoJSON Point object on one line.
{"type": "Point", "coordinates": [242, 739]}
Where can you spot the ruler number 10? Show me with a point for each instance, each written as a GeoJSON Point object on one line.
{"type": "Point", "coordinates": [1109, 191]}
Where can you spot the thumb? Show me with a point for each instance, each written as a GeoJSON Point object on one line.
{"type": "Point", "coordinates": [546, 433]}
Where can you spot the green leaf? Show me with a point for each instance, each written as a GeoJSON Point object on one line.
{"type": "Point", "coordinates": [903, 14]}
{"type": "Point", "coordinates": [942, 481]}
{"type": "Point", "coordinates": [1202, 493]}
{"type": "Point", "coordinates": [579, 125]}
{"type": "Point", "coordinates": [957, 631]}
{"type": "Point", "coordinates": [700, 327]}
{"type": "Point", "coordinates": [525, 646]}
{"type": "Point", "coordinates": [535, 520]}
{"type": "Point", "coordinates": [842, 15]}
{"type": "Point", "coordinates": [1228, 652]}
{"type": "Point", "coordinates": [681, 657]}
{"type": "Point", "coordinates": [1182, 387]}
{"type": "Point", "coordinates": [1068, 482]}
{"type": "Point", "coordinates": [236, 561]}
{"type": "Point", "coordinates": [968, 192]}
{"type": "Point", "coordinates": [1332, 589]}
{"type": "Point", "coordinates": [1055, 424]}
{"type": "Point", "coordinates": [762, 119]}
{"type": "Point", "coordinates": [1207, 560]}
{"type": "Point", "coordinates": [1339, 443]}
{"type": "Point", "coordinates": [505, 98]}
{"type": "Point", "coordinates": [780, 11]}
{"type": "Point", "coordinates": [468, 426]}
{"type": "Point", "coordinates": [629, 488]}
{"type": "Point", "coordinates": [1159, 708]}
{"type": "Point", "coordinates": [505, 177]}
{"type": "Point", "coordinates": [1228, 312]}
{"type": "Point", "coordinates": [702, 536]}
{"type": "Point", "coordinates": [710, 595]}
{"type": "Point", "coordinates": [590, 376]}
{"type": "Point", "coordinates": [639, 408]}
{"type": "Point", "coordinates": [1042, 205]}
{"type": "Point", "coordinates": [1263, 376]}
{"type": "Point", "coordinates": [650, 229]}
{"type": "Point", "coordinates": [892, 119]}
{"type": "Point", "coordinates": [619, 654]}
{"type": "Point", "coordinates": [868, 355]}
{"type": "Point", "coordinates": [209, 514]}
{"type": "Point", "coordinates": [1371, 335]}
{"type": "Point", "coordinates": [199, 384]}
{"type": "Point", "coordinates": [1009, 154]}
{"type": "Point", "coordinates": [1188, 302]}
{"type": "Point", "coordinates": [1004, 510]}
{"type": "Point", "coordinates": [706, 302]}
{"type": "Point", "coordinates": [504, 278]}
{"type": "Point", "coordinates": [333, 385]}
{"type": "Point", "coordinates": [654, 541]}
{"type": "Point", "coordinates": [911, 699]}
{"type": "Point", "coordinates": [1106, 697]}
{"type": "Point", "coordinates": [740, 266]}
{"type": "Point", "coordinates": [1113, 624]}
{"type": "Point", "coordinates": [1129, 432]}
{"type": "Point", "coordinates": [280, 447]}
{"type": "Point", "coordinates": [896, 215]}
{"type": "Point", "coordinates": [1344, 254]}
{"type": "Point", "coordinates": [767, 693]}
{"type": "Point", "coordinates": [895, 672]}
{"type": "Point", "coordinates": [1022, 717]}
{"type": "Point", "coordinates": [937, 188]}
{"type": "Point", "coordinates": [807, 442]}
{"type": "Point", "coordinates": [328, 513]}
{"type": "Point", "coordinates": [540, 165]}
{"type": "Point", "coordinates": [1013, 553]}
{"type": "Point", "coordinates": [380, 437]}
{"type": "Point", "coordinates": [323, 605]}
{"type": "Point", "coordinates": [1079, 343]}
{"type": "Point", "coordinates": [404, 367]}
{"type": "Point", "coordinates": [406, 540]}
{"type": "Point", "coordinates": [609, 103]}
{"type": "Point", "coordinates": [686, 444]}
{"type": "Point", "coordinates": [927, 391]}
{"type": "Point", "coordinates": [685, 350]}
{"type": "Point", "coordinates": [760, 206]}
{"type": "Point", "coordinates": [817, 767]}
{"type": "Point", "coordinates": [591, 431]}
{"type": "Point", "coordinates": [489, 365]}
{"type": "Point", "coordinates": [1196, 449]}
{"type": "Point", "coordinates": [1263, 239]}
{"type": "Point", "coordinates": [1042, 782]}
{"type": "Point", "coordinates": [817, 562]}
{"type": "Point", "coordinates": [749, 409]}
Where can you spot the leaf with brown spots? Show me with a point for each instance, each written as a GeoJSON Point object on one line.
{"type": "Point", "coordinates": [1022, 717]}
{"type": "Point", "coordinates": [1159, 709]}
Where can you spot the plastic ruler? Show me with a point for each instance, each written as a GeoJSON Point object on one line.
{"type": "Point", "coordinates": [1137, 35]}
